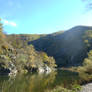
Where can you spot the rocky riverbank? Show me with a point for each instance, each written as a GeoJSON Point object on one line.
{"type": "Point", "coordinates": [12, 70]}
{"type": "Point", "coordinates": [87, 88]}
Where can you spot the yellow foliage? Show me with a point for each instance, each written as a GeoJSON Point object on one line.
{"type": "Point", "coordinates": [44, 56]}
{"type": "Point", "coordinates": [87, 62]}
{"type": "Point", "coordinates": [86, 41]}
{"type": "Point", "coordinates": [5, 46]}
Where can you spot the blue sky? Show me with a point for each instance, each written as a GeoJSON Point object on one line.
{"type": "Point", "coordinates": [43, 16]}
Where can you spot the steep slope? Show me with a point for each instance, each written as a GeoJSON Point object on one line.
{"type": "Point", "coordinates": [68, 48]}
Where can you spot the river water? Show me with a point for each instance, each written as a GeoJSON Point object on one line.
{"type": "Point", "coordinates": [38, 82]}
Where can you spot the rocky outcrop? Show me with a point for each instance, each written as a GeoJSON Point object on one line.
{"type": "Point", "coordinates": [13, 70]}
{"type": "Point", "coordinates": [45, 69]}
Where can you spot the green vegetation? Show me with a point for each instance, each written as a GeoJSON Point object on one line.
{"type": "Point", "coordinates": [17, 55]}
{"type": "Point", "coordinates": [86, 68]}
{"type": "Point", "coordinates": [22, 39]}
{"type": "Point", "coordinates": [85, 71]}
{"type": "Point", "coordinates": [75, 88]}
{"type": "Point", "coordinates": [30, 53]}
{"type": "Point", "coordinates": [68, 48]}
{"type": "Point", "coordinates": [88, 39]}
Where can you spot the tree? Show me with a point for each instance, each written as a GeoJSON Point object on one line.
{"type": "Point", "coordinates": [87, 64]}
{"type": "Point", "coordinates": [1, 32]}
{"type": "Point", "coordinates": [2, 38]}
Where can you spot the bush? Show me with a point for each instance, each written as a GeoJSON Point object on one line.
{"type": "Point", "coordinates": [75, 88]}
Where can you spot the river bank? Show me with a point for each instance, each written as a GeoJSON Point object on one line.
{"type": "Point", "coordinates": [87, 88]}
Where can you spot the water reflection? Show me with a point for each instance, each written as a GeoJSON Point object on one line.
{"type": "Point", "coordinates": [27, 83]}
{"type": "Point", "coordinates": [37, 82]}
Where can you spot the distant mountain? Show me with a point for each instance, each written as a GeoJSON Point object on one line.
{"type": "Point", "coordinates": [68, 48]}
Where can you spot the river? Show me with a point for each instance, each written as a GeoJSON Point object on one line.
{"type": "Point", "coordinates": [34, 82]}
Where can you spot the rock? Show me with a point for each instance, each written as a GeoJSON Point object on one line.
{"type": "Point", "coordinates": [13, 70]}
{"type": "Point", "coordinates": [45, 69]}
{"type": "Point", "coordinates": [41, 70]}
{"type": "Point", "coordinates": [48, 69]}
{"type": "Point", "coordinates": [87, 88]}
{"type": "Point", "coordinates": [13, 73]}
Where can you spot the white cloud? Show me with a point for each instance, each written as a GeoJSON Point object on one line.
{"type": "Point", "coordinates": [9, 23]}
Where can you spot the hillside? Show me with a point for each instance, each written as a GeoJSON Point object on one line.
{"type": "Point", "coordinates": [68, 48]}
{"type": "Point", "coordinates": [17, 56]}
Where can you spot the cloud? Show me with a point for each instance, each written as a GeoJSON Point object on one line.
{"type": "Point", "coordinates": [9, 23]}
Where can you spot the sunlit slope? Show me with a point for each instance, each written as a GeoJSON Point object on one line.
{"type": "Point", "coordinates": [68, 48]}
